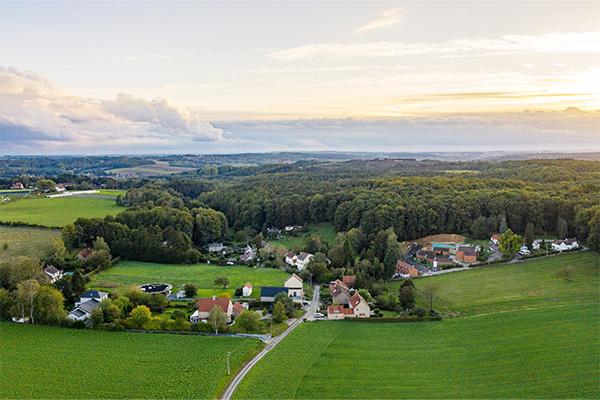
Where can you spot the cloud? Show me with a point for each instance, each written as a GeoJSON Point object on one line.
{"type": "Point", "coordinates": [387, 18]}
{"type": "Point", "coordinates": [574, 42]}
{"type": "Point", "coordinates": [35, 112]}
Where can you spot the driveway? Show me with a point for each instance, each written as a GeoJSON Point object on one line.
{"type": "Point", "coordinates": [314, 305]}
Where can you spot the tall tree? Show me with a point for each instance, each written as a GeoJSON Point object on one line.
{"type": "Point", "coordinates": [25, 294]}
{"type": "Point", "coordinates": [217, 318]}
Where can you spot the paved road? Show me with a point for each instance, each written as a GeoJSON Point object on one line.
{"type": "Point", "coordinates": [314, 305]}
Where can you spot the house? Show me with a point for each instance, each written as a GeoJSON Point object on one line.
{"type": "Point", "coordinates": [83, 310]}
{"type": "Point", "coordinates": [248, 255]}
{"type": "Point", "coordinates": [443, 249]}
{"type": "Point", "coordinates": [238, 308]}
{"type": "Point", "coordinates": [53, 273]}
{"type": "Point", "coordinates": [299, 261]}
{"type": "Point", "coordinates": [61, 187]}
{"type": "Point", "coordinates": [349, 280]}
{"type": "Point", "coordinates": [294, 285]}
{"type": "Point", "coordinates": [205, 304]}
{"type": "Point", "coordinates": [360, 307]}
{"type": "Point", "coordinates": [565, 245]}
{"type": "Point", "coordinates": [215, 247]}
{"type": "Point", "coordinates": [268, 293]}
{"type": "Point", "coordinates": [406, 270]}
{"type": "Point", "coordinates": [17, 186]}
{"type": "Point", "coordinates": [340, 293]}
{"type": "Point", "coordinates": [357, 308]}
{"type": "Point", "coordinates": [426, 255]}
{"type": "Point", "coordinates": [247, 289]}
{"type": "Point", "coordinates": [495, 239]}
{"type": "Point", "coordinates": [84, 254]}
{"type": "Point", "coordinates": [467, 254]}
{"type": "Point", "coordinates": [92, 295]}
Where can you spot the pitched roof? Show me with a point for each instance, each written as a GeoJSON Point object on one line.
{"type": "Point", "coordinates": [89, 305]}
{"type": "Point", "coordinates": [495, 236]}
{"type": "Point", "coordinates": [468, 250]}
{"type": "Point", "coordinates": [205, 304]}
{"type": "Point", "coordinates": [339, 290]}
{"type": "Point", "coordinates": [94, 294]}
{"type": "Point", "coordinates": [335, 309]}
{"type": "Point", "coordinates": [349, 279]}
{"type": "Point", "coordinates": [294, 276]}
{"type": "Point", "coordinates": [248, 285]}
{"type": "Point", "coordinates": [238, 307]}
{"type": "Point", "coordinates": [271, 291]}
{"type": "Point", "coordinates": [355, 300]}
{"type": "Point", "coordinates": [85, 253]}
{"type": "Point", "coordinates": [51, 270]}
{"type": "Point", "coordinates": [303, 256]}
{"type": "Point", "coordinates": [403, 267]}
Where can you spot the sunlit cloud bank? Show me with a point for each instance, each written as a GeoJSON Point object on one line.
{"type": "Point", "coordinates": [35, 114]}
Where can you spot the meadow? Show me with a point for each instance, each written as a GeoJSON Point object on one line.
{"type": "Point", "coordinates": [127, 273]}
{"type": "Point", "coordinates": [24, 241]}
{"type": "Point", "coordinates": [57, 212]}
{"type": "Point", "coordinates": [47, 362]}
{"type": "Point", "coordinates": [530, 284]}
{"type": "Point", "coordinates": [544, 353]}
{"type": "Point", "coordinates": [325, 231]}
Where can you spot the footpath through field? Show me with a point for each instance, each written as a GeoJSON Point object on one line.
{"type": "Point", "coordinates": [314, 305]}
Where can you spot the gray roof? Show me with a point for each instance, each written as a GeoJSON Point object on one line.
{"type": "Point", "coordinates": [77, 313]}
{"type": "Point", "coordinates": [89, 305]}
{"type": "Point", "coordinates": [94, 294]}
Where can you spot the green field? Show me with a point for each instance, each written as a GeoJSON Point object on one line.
{"type": "Point", "coordinates": [325, 231]}
{"type": "Point", "coordinates": [57, 212]}
{"type": "Point", "coordinates": [531, 284]}
{"type": "Point", "coordinates": [24, 241]}
{"type": "Point", "coordinates": [46, 362]}
{"type": "Point", "coordinates": [127, 273]}
{"type": "Point", "coordinates": [157, 169]}
{"type": "Point", "coordinates": [111, 192]}
{"type": "Point", "coordinates": [547, 353]}
{"type": "Point", "coordinates": [524, 333]}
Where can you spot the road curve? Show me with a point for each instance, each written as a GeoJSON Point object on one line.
{"type": "Point", "coordinates": [314, 305]}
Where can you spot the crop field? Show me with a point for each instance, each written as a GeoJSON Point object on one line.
{"type": "Point", "coordinates": [127, 273]}
{"type": "Point", "coordinates": [24, 241]}
{"type": "Point", "coordinates": [325, 231]}
{"type": "Point", "coordinates": [57, 212]}
{"type": "Point", "coordinates": [524, 333]}
{"type": "Point", "coordinates": [529, 284]}
{"type": "Point", "coordinates": [156, 169]}
{"type": "Point", "coordinates": [46, 362]}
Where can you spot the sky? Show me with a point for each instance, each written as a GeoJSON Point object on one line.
{"type": "Point", "coordinates": [230, 77]}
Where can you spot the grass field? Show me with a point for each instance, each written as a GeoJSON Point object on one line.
{"type": "Point", "coordinates": [57, 212]}
{"type": "Point", "coordinates": [111, 192]}
{"type": "Point", "coordinates": [325, 231]}
{"type": "Point", "coordinates": [524, 333]}
{"type": "Point", "coordinates": [127, 273]}
{"type": "Point", "coordinates": [26, 241]}
{"type": "Point", "coordinates": [547, 353]}
{"type": "Point", "coordinates": [156, 169]}
{"type": "Point", "coordinates": [46, 362]}
{"type": "Point", "coordinates": [530, 284]}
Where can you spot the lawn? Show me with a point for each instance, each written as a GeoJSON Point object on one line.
{"type": "Point", "coordinates": [24, 241]}
{"type": "Point", "coordinates": [57, 212]}
{"type": "Point", "coordinates": [127, 273]}
{"type": "Point", "coordinates": [325, 231]}
{"type": "Point", "coordinates": [530, 284]}
{"type": "Point", "coordinates": [46, 362]}
{"type": "Point", "coordinates": [544, 353]}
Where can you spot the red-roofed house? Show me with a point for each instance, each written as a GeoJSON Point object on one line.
{"type": "Point", "coordinates": [84, 254]}
{"type": "Point", "coordinates": [205, 304]}
{"type": "Point", "coordinates": [335, 311]}
{"type": "Point", "coordinates": [495, 239]}
{"type": "Point", "coordinates": [360, 307]}
{"type": "Point", "coordinates": [349, 280]}
{"type": "Point", "coordinates": [238, 308]}
{"type": "Point", "coordinates": [340, 294]}
{"type": "Point", "coordinates": [406, 270]}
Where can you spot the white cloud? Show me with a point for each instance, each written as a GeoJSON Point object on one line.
{"type": "Point", "coordinates": [36, 112]}
{"type": "Point", "coordinates": [387, 18]}
{"type": "Point", "coordinates": [574, 42]}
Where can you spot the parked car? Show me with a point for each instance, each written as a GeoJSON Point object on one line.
{"type": "Point", "coordinates": [524, 251]}
{"type": "Point", "coordinates": [319, 315]}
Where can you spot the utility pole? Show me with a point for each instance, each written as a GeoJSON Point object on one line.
{"type": "Point", "coordinates": [228, 356]}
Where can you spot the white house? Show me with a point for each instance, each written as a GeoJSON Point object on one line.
{"type": "Point", "coordinates": [299, 261]}
{"type": "Point", "coordinates": [357, 308]}
{"type": "Point", "coordinates": [215, 247]}
{"type": "Point", "coordinates": [564, 245]}
{"type": "Point", "coordinates": [294, 286]}
{"type": "Point", "coordinates": [206, 304]}
{"type": "Point", "coordinates": [536, 244]}
{"type": "Point", "coordinates": [92, 295]}
{"type": "Point", "coordinates": [84, 310]}
{"type": "Point", "coordinates": [53, 273]}
{"type": "Point", "coordinates": [247, 290]}
{"type": "Point", "coordinates": [248, 255]}
{"type": "Point", "coordinates": [61, 187]}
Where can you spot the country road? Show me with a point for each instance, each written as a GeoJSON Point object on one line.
{"type": "Point", "coordinates": [314, 305]}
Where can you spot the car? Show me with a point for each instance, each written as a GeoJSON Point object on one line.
{"type": "Point", "coordinates": [524, 251]}
{"type": "Point", "coordinates": [319, 315]}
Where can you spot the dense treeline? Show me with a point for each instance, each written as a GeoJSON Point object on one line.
{"type": "Point", "coordinates": [159, 234]}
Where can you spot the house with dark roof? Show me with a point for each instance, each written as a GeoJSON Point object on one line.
{"type": "Point", "coordinates": [467, 254]}
{"type": "Point", "coordinates": [84, 254]}
{"type": "Point", "coordinates": [53, 273]}
{"type": "Point", "coordinates": [84, 310]}
{"type": "Point", "coordinates": [268, 293]}
{"type": "Point", "coordinates": [92, 295]}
